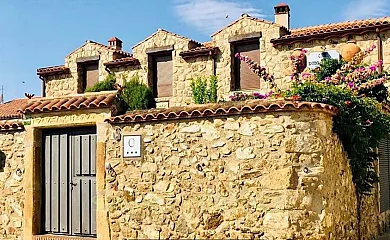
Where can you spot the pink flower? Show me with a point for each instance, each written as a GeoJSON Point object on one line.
{"type": "Point", "coordinates": [348, 103]}
{"type": "Point", "coordinates": [369, 122]}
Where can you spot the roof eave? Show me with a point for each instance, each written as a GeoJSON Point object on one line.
{"type": "Point", "coordinates": [327, 35]}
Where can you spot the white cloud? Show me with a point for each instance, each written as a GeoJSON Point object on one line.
{"type": "Point", "coordinates": [208, 16]}
{"type": "Point", "coordinates": [359, 9]}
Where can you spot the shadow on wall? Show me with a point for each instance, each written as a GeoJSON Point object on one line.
{"type": "Point", "coordinates": [2, 161]}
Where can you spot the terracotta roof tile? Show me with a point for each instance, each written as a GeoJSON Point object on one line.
{"type": "Point", "coordinates": [128, 61]}
{"type": "Point", "coordinates": [121, 52]}
{"type": "Point", "coordinates": [282, 4]}
{"type": "Point", "coordinates": [71, 102]}
{"type": "Point", "coordinates": [113, 39]}
{"type": "Point", "coordinates": [9, 110]}
{"type": "Point", "coordinates": [199, 51]}
{"type": "Point", "coordinates": [334, 28]}
{"type": "Point", "coordinates": [229, 108]}
{"type": "Point", "coordinates": [52, 70]}
{"type": "Point", "coordinates": [251, 18]}
{"type": "Point", "coordinates": [171, 33]}
{"type": "Point", "coordinates": [11, 125]}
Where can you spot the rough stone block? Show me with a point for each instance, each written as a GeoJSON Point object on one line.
{"type": "Point", "coordinates": [285, 178]}
{"type": "Point", "coordinates": [303, 144]}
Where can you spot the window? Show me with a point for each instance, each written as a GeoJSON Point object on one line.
{"type": "Point", "coordinates": [90, 73]}
{"type": "Point", "coordinates": [384, 174]}
{"type": "Point", "coordinates": [162, 74]}
{"type": "Point", "coordinates": [244, 78]}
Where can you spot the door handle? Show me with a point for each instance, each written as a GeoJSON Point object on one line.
{"type": "Point", "coordinates": [72, 184]}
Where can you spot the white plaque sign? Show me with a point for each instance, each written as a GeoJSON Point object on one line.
{"type": "Point", "coordinates": [131, 146]}
{"type": "Point", "coordinates": [314, 59]}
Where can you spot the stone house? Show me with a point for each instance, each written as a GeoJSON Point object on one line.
{"type": "Point", "coordinates": [70, 169]}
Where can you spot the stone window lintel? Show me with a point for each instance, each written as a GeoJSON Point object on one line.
{"type": "Point", "coordinates": [244, 37]}
{"type": "Point", "coordinates": [88, 59]}
{"type": "Point", "coordinates": [159, 49]}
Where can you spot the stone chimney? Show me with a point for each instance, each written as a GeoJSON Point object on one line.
{"type": "Point", "coordinates": [115, 43]}
{"type": "Point", "coordinates": [282, 15]}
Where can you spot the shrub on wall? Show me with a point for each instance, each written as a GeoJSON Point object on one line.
{"type": "Point", "coordinates": [136, 94]}
{"type": "Point", "coordinates": [106, 85]}
{"type": "Point", "coordinates": [204, 90]}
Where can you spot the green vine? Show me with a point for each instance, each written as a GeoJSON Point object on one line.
{"type": "Point", "coordinates": [358, 92]}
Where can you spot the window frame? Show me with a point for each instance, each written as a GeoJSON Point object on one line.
{"type": "Point", "coordinates": [154, 78]}
{"type": "Point", "coordinates": [236, 63]}
{"type": "Point", "coordinates": [82, 74]}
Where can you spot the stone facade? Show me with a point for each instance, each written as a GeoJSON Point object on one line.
{"type": "Point", "coordinates": [11, 184]}
{"type": "Point", "coordinates": [274, 57]}
{"type": "Point", "coordinates": [65, 84]}
{"type": "Point", "coordinates": [183, 70]}
{"type": "Point", "coordinates": [281, 176]}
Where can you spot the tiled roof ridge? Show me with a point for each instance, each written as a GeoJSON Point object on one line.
{"type": "Point", "coordinates": [361, 25]}
{"type": "Point", "coordinates": [122, 62]}
{"type": "Point", "coordinates": [124, 53]}
{"type": "Point", "coordinates": [336, 23]}
{"type": "Point", "coordinates": [230, 108]}
{"type": "Point", "coordinates": [127, 54]}
{"type": "Point", "coordinates": [245, 15]}
{"type": "Point", "coordinates": [166, 31]}
{"type": "Point", "coordinates": [199, 51]}
{"type": "Point", "coordinates": [11, 125]}
{"type": "Point", "coordinates": [52, 70]}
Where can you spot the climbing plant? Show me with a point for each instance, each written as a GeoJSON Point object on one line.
{"type": "Point", "coordinates": [359, 93]}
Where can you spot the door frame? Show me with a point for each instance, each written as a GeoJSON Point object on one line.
{"type": "Point", "coordinates": [33, 165]}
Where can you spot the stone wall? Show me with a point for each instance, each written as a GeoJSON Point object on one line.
{"type": "Point", "coordinates": [11, 185]}
{"type": "Point", "coordinates": [60, 85]}
{"type": "Point", "coordinates": [282, 176]}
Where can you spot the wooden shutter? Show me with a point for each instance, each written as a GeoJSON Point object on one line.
{"type": "Point", "coordinates": [91, 72]}
{"type": "Point", "coordinates": [384, 171]}
{"type": "Point", "coordinates": [164, 74]}
{"type": "Point", "coordinates": [246, 78]}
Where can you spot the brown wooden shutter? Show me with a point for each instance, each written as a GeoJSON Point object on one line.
{"type": "Point", "coordinates": [164, 74]}
{"type": "Point", "coordinates": [248, 79]}
{"type": "Point", "coordinates": [91, 74]}
{"type": "Point", "coordinates": [384, 173]}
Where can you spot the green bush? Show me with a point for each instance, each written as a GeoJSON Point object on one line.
{"type": "Point", "coordinates": [328, 67]}
{"type": "Point", "coordinates": [204, 90]}
{"type": "Point", "coordinates": [137, 95]}
{"type": "Point", "coordinates": [106, 85]}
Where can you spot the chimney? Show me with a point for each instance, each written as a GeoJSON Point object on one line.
{"type": "Point", "coordinates": [282, 15]}
{"type": "Point", "coordinates": [115, 43]}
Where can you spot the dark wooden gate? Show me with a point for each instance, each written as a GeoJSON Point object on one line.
{"type": "Point", "coordinates": [70, 182]}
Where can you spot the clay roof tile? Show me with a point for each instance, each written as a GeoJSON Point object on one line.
{"type": "Point", "coordinates": [79, 101]}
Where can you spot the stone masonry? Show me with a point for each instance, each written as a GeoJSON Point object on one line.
{"type": "Point", "coordinates": [281, 176]}
{"type": "Point", "coordinates": [11, 185]}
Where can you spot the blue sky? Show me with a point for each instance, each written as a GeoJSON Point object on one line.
{"type": "Point", "coordinates": [40, 33]}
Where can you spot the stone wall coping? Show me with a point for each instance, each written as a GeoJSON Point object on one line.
{"type": "Point", "coordinates": [222, 109]}
{"type": "Point", "coordinates": [70, 102]}
{"type": "Point", "coordinates": [11, 125]}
